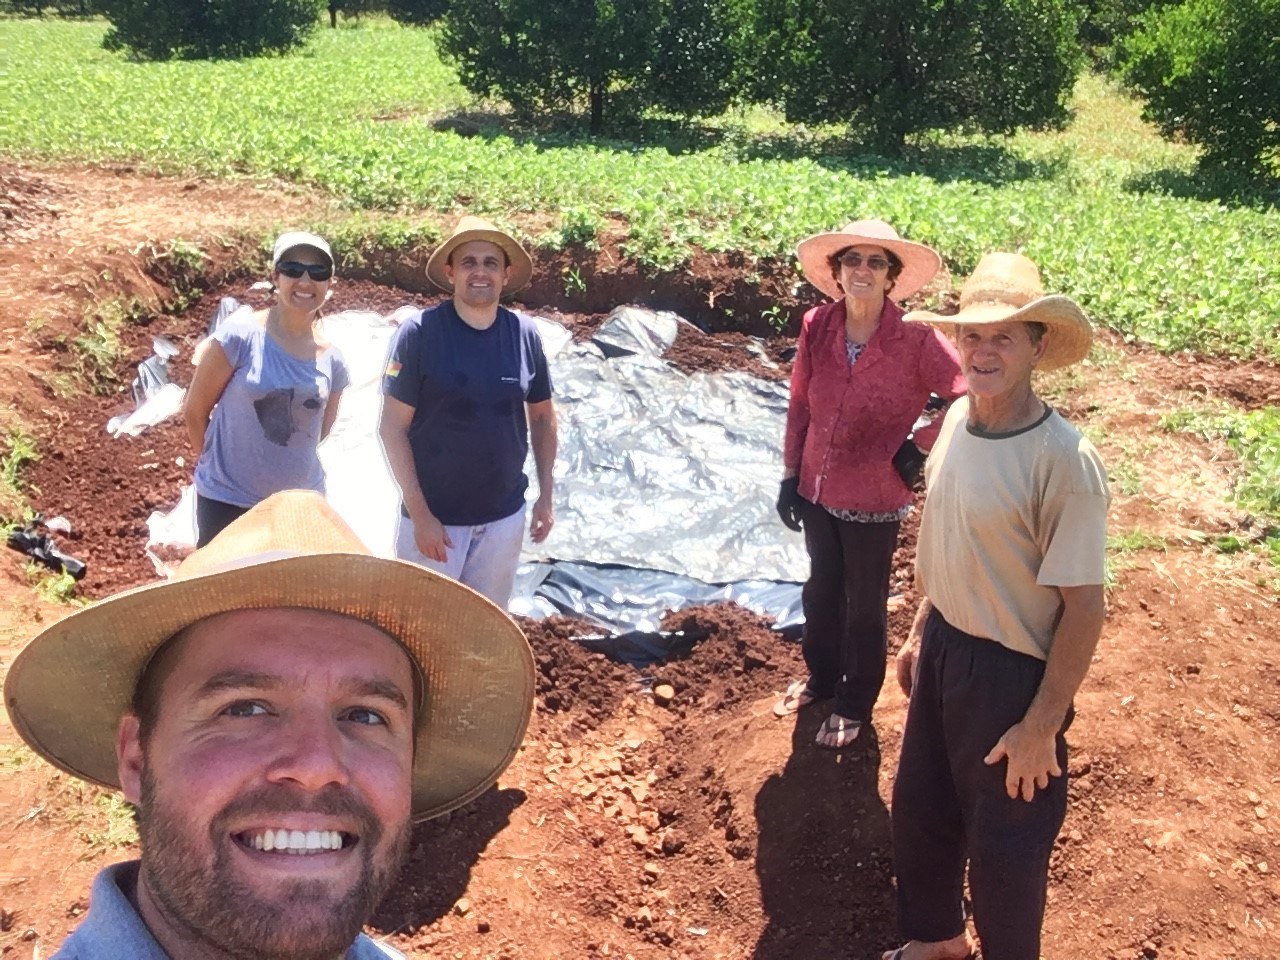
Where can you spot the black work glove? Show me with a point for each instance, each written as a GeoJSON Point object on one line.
{"type": "Point", "coordinates": [909, 461]}
{"type": "Point", "coordinates": [789, 501]}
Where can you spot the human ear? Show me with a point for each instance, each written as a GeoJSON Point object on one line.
{"type": "Point", "coordinates": [1041, 346]}
{"type": "Point", "coordinates": [129, 757]}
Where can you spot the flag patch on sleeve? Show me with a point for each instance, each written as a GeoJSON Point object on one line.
{"type": "Point", "coordinates": [393, 369]}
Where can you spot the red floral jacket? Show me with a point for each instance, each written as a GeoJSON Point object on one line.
{"type": "Point", "coordinates": [845, 423]}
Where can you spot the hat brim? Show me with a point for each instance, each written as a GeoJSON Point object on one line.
{"type": "Point", "coordinates": [520, 263]}
{"type": "Point", "coordinates": [920, 264]}
{"type": "Point", "coordinates": [303, 246]}
{"type": "Point", "coordinates": [1070, 333]}
{"type": "Point", "coordinates": [67, 690]}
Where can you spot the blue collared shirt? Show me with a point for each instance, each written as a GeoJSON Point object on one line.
{"type": "Point", "coordinates": [112, 930]}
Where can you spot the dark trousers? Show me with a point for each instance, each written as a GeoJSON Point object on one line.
{"type": "Point", "coordinates": [845, 618]}
{"type": "Point", "coordinates": [212, 516]}
{"type": "Point", "coordinates": [949, 807]}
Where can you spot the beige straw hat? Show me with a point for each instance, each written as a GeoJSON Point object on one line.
{"type": "Point", "coordinates": [67, 690]}
{"type": "Point", "coordinates": [919, 263]}
{"type": "Point", "coordinates": [474, 228]}
{"type": "Point", "coordinates": [1005, 287]}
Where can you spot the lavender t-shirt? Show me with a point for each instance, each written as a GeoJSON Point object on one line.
{"type": "Point", "coordinates": [263, 434]}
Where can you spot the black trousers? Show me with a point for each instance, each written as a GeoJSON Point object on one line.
{"type": "Point", "coordinates": [845, 617]}
{"type": "Point", "coordinates": [949, 807]}
{"type": "Point", "coordinates": [212, 516]}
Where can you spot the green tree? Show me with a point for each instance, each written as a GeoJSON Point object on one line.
{"type": "Point", "coordinates": [893, 69]}
{"type": "Point", "coordinates": [417, 13]}
{"type": "Point", "coordinates": [632, 54]}
{"type": "Point", "coordinates": [63, 8]}
{"type": "Point", "coordinates": [207, 29]}
{"type": "Point", "coordinates": [1209, 70]}
{"type": "Point", "coordinates": [1107, 22]}
{"type": "Point", "coordinates": [351, 8]}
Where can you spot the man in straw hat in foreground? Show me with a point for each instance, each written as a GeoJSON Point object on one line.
{"type": "Point", "coordinates": [279, 713]}
{"type": "Point", "coordinates": [1010, 564]}
{"type": "Point", "coordinates": [465, 390]}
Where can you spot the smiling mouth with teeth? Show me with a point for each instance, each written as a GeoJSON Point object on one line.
{"type": "Point", "coordinates": [296, 842]}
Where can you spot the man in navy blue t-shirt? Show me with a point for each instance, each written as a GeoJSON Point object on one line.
{"type": "Point", "coordinates": [465, 392]}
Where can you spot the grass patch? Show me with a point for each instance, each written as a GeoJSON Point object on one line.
{"type": "Point", "coordinates": [104, 820]}
{"type": "Point", "coordinates": [19, 449]}
{"type": "Point", "coordinates": [1135, 541]}
{"type": "Point", "coordinates": [15, 757]}
{"type": "Point", "coordinates": [358, 238]}
{"type": "Point", "coordinates": [54, 587]}
{"type": "Point", "coordinates": [1086, 203]}
{"type": "Point", "coordinates": [96, 354]}
{"type": "Point", "coordinates": [1254, 436]}
{"type": "Point", "coordinates": [1126, 478]}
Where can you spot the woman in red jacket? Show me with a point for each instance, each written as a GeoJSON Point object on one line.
{"type": "Point", "coordinates": [860, 381]}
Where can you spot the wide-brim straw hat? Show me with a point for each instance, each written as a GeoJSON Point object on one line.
{"type": "Point", "coordinates": [920, 264]}
{"type": "Point", "coordinates": [474, 228]}
{"type": "Point", "coordinates": [68, 689]}
{"type": "Point", "coordinates": [1006, 287]}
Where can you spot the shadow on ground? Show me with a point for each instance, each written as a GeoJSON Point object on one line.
{"type": "Point", "coordinates": [824, 856]}
{"type": "Point", "coordinates": [441, 855]}
{"type": "Point", "coordinates": [1232, 190]}
{"type": "Point", "coordinates": [989, 162]}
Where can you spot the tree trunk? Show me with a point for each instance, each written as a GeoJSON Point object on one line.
{"type": "Point", "coordinates": [597, 105]}
{"type": "Point", "coordinates": [333, 16]}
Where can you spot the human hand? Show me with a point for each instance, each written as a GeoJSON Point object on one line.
{"type": "Point", "coordinates": [907, 665]}
{"type": "Point", "coordinates": [1033, 759]}
{"type": "Point", "coordinates": [909, 461]}
{"type": "Point", "coordinates": [544, 518]}
{"type": "Point", "coordinates": [432, 539]}
{"type": "Point", "coordinates": [789, 501]}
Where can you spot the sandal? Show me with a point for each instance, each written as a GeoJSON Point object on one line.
{"type": "Point", "coordinates": [902, 952]}
{"type": "Point", "coordinates": [838, 732]}
{"type": "Point", "coordinates": [796, 696]}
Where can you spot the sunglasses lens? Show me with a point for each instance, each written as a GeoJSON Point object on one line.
{"type": "Point", "coordinates": [294, 270]}
{"type": "Point", "coordinates": [854, 260]}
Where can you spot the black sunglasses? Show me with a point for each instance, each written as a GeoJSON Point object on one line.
{"type": "Point", "coordinates": [317, 271]}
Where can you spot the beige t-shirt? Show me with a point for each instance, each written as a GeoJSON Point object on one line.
{"type": "Point", "coordinates": [1009, 518]}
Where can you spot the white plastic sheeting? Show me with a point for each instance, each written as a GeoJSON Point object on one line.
{"type": "Point", "coordinates": [658, 470]}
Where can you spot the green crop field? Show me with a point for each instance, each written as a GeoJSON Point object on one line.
{"type": "Point", "coordinates": [353, 113]}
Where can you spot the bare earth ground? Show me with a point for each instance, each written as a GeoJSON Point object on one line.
{"type": "Point", "coordinates": [706, 828]}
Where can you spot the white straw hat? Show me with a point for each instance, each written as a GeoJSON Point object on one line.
{"type": "Point", "coordinates": [1006, 287]}
{"type": "Point", "coordinates": [69, 687]}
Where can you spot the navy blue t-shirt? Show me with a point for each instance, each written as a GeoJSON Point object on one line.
{"type": "Point", "coordinates": [468, 388]}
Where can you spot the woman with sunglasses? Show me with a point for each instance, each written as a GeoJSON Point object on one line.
{"type": "Point", "coordinates": [860, 381]}
{"type": "Point", "coordinates": [265, 392]}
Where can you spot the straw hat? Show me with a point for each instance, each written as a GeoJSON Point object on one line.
{"type": "Point", "coordinates": [1005, 287]}
{"type": "Point", "coordinates": [474, 228]}
{"type": "Point", "coordinates": [919, 263]}
{"type": "Point", "coordinates": [68, 689]}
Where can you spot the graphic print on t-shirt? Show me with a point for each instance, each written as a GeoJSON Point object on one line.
{"type": "Point", "coordinates": [276, 415]}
